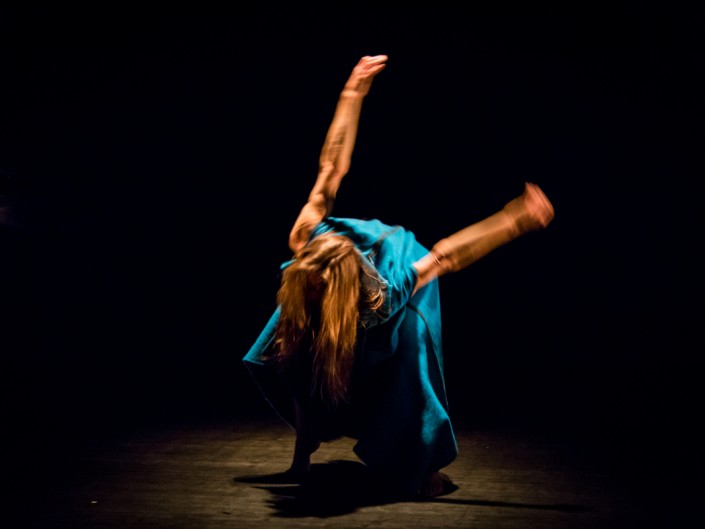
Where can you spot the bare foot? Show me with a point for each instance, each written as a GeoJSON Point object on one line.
{"type": "Point", "coordinates": [436, 484]}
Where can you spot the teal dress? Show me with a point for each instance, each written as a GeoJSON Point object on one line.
{"type": "Point", "coordinates": [398, 409]}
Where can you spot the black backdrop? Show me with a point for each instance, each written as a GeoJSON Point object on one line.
{"type": "Point", "coordinates": [154, 163]}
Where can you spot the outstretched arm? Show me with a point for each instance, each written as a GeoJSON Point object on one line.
{"type": "Point", "coordinates": [528, 212]}
{"type": "Point", "coordinates": [334, 161]}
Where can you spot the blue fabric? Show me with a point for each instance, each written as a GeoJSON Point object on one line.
{"type": "Point", "coordinates": [398, 408]}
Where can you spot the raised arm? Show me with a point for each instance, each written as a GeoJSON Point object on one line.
{"type": "Point", "coordinates": [528, 212]}
{"type": "Point", "coordinates": [334, 161]}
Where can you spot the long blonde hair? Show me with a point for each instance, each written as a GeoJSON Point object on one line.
{"type": "Point", "coordinates": [320, 298]}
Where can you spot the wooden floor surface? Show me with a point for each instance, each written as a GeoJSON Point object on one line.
{"type": "Point", "coordinates": [227, 475]}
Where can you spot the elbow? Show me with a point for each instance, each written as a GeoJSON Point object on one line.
{"type": "Point", "coordinates": [295, 243]}
{"type": "Point", "coordinates": [311, 214]}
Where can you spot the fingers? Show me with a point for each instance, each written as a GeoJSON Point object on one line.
{"type": "Point", "coordinates": [369, 66]}
{"type": "Point", "coordinates": [364, 71]}
{"type": "Point", "coordinates": [374, 59]}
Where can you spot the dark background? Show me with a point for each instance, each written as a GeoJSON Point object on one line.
{"type": "Point", "coordinates": [153, 164]}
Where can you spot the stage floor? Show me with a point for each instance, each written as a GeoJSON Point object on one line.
{"type": "Point", "coordinates": [227, 474]}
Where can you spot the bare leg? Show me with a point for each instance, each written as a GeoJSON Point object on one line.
{"type": "Point", "coordinates": [306, 444]}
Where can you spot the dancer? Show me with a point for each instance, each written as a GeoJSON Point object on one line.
{"type": "Point", "coordinates": [354, 346]}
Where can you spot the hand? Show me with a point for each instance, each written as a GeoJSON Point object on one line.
{"type": "Point", "coordinates": [537, 205]}
{"type": "Point", "coordinates": [531, 210]}
{"type": "Point", "coordinates": [365, 70]}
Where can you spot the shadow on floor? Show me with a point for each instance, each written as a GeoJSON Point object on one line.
{"type": "Point", "coordinates": [341, 487]}
{"type": "Point", "coordinates": [331, 489]}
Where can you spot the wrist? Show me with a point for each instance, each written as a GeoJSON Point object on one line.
{"type": "Point", "coordinates": [351, 92]}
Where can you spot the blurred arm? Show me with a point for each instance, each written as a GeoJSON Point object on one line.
{"type": "Point", "coordinates": [529, 212]}
{"type": "Point", "coordinates": [334, 160]}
